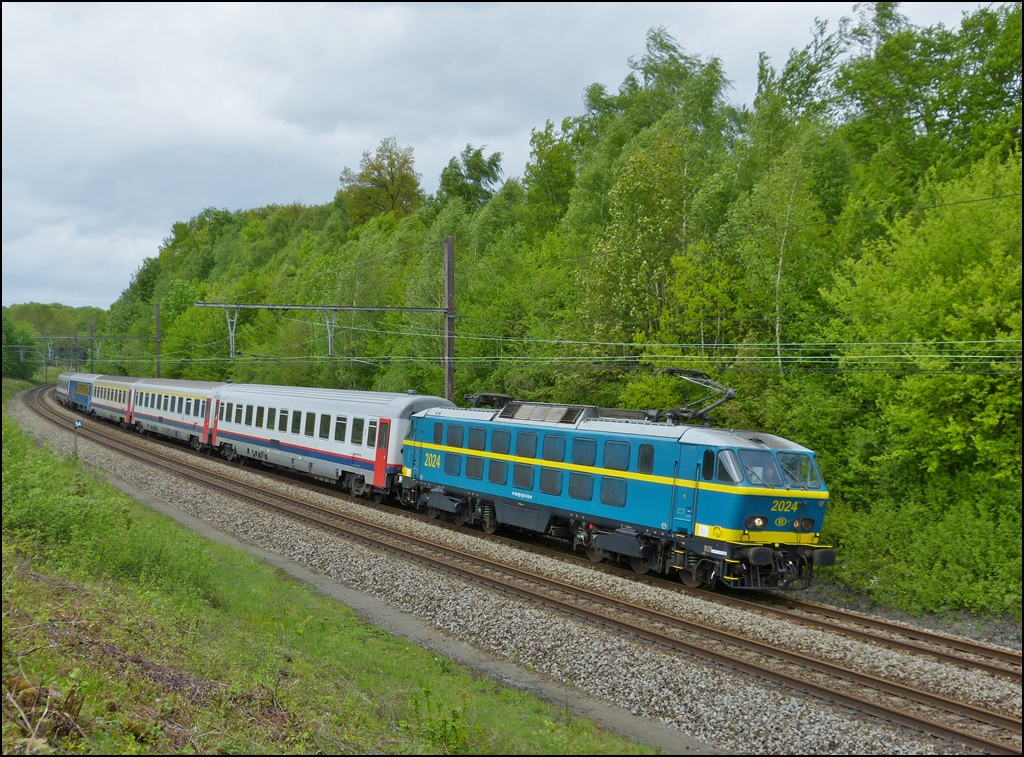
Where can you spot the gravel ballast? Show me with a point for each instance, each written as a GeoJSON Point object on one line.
{"type": "Point", "coordinates": [728, 710]}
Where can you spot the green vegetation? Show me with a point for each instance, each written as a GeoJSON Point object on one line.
{"type": "Point", "coordinates": [124, 633]}
{"type": "Point", "coordinates": [846, 254]}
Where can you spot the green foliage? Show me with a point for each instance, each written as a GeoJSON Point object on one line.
{"type": "Point", "coordinates": [865, 210]}
{"type": "Point", "coordinates": [386, 182]}
{"type": "Point", "coordinates": [470, 177]}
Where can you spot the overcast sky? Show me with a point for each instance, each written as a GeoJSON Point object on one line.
{"type": "Point", "coordinates": [120, 120]}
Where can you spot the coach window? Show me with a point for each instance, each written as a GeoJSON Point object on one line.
{"type": "Point", "coordinates": [238, 413]}
{"type": "Point", "coordinates": [358, 424]}
{"type": "Point", "coordinates": [554, 450]}
{"type": "Point", "coordinates": [188, 411]}
{"type": "Point", "coordinates": [497, 472]}
{"type": "Point", "coordinates": [729, 471]}
{"type": "Point", "coordinates": [477, 439]}
{"type": "Point", "coordinates": [310, 424]}
{"type": "Point", "coordinates": [522, 476]}
{"type": "Point", "coordinates": [500, 441]}
{"type": "Point", "coordinates": [455, 434]}
{"type": "Point", "coordinates": [551, 481]}
{"type": "Point", "coordinates": [438, 433]}
{"type": "Point", "coordinates": [220, 413]}
{"type": "Point", "coordinates": [296, 421]}
{"type": "Point", "coordinates": [371, 434]}
{"type": "Point", "coordinates": [584, 452]}
{"type": "Point", "coordinates": [707, 466]}
{"type": "Point", "coordinates": [167, 399]}
{"type": "Point", "coordinates": [645, 460]}
{"type": "Point", "coordinates": [201, 408]}
{"type": "Point", "coordinates": [259, 417]}
{"type": "Point", "coordinates": [382, 437]}
{"type": "Point", "coordinates": [581, 486]}
{"type": "Point", "coordinates": [181, 404]}
{"type": "Point", "coordinates": [526, 446]}
{"type": "Point", "coordinates": [340, 427]}
{"type": "Point", "coordinates": [271, 417]}
{"type": "Point", "coordinates": [248, 414]}
{"type": "Point", "coordinates": [613, 491]}
{"type": "Point", "coordinates": [282, 421]}
{"type": "Point", "coordinates": [230, 412]}
{"type": "Point", "coordinates": [325, 426]}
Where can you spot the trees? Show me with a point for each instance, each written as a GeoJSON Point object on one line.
{"type": "Point", "coordinates": [387, 182]}
{"type": "Point", "coordinates": [470, 176]}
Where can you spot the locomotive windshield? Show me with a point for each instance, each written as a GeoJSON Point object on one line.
{"type": "Point", "coordinates": [761, 468]}
{"type": "Point", "coordinates": [799, 470]}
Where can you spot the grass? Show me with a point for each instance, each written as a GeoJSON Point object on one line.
{"type": "Point", "coordinates": [122, 632]}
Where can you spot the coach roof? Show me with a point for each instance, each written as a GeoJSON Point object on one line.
{"type": "Point", "coordinates": [385, 404]}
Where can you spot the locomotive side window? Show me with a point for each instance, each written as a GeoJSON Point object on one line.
{"type": "Point", "coordinates": [358, 424]}
{"type": "Point", "coordinates": [325, 426]}
{"type": "Point", "coordinates": [296, 421]}
{"type": "Point", "coordinates": [438, 433]}
{"type": "Point", "coordinates": [554, 450]}
{"type": "Point", "coordinates": [500, 441]}
{"type": "Point", "coordinates": [584, 452]}
{"type": "Point", "coordinates": [522, 476]}
{"type": "Point", "coordinates": [497, 472]}
{"type": "Point", "coordinates": [238, 411]}
{"type": "Point", "coordinates": [526, 446]}
{"type": "Point", "coordinates": [382, 437]}
{"type": "Point", "coordinates": [271, 417]}
{"type": "Point", "coordinates": [551, 481]}
{"type": "Point", "coordinates": [616, 455]}
{"type": "Point", "coordinates": [282, 421]}
{"type": "Point", "coordinates": [340, 427]}
{"type": "Point", "coordinates": [613, 491]}
{"type": "Point", "coordinates": [707, 466]}
{"type": "Point", "coordinates": [259, 417]}
{"type": "Point", "coordinates": [474, 468]}
{"type": "Point", "coordinates": [729, 471]}
{"type": "Point", "coordinates": [455, 435]}
{"type": "Point", "coordinates": [310, 424]}
{"type": "Point", "coordinates": [452, 464]}
{"type": "Point", "coordinates": [477, 439]}
{"type": "Point", "coordinates": [645, 460]}
{"type": "Point", "coordinates": [581, 486]}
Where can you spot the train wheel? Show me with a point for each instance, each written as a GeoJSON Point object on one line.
{"type": "Point", "coordinates": [689, 580]}
{"type": "Point", "coordinates": [490, 525]}
{"type": "Point", "coordinates": [594, 554]}
{"type": "Point", "coordinates": [639, 565]}
{"type": "Point", "coordinates": [378, 496]}
{"type": "Point", "coordinates": [461, 518]}
{"type": "Point", "coordinates": [433, 513]}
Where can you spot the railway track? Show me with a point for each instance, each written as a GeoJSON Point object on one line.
{"type": "Point", "coordinates": [973, 727]}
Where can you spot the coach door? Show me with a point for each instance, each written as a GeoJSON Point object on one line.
{"type": "Point", "coordinates": [380, 461]}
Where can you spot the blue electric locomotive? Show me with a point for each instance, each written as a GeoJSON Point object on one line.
{"type": "Point", "coordinates": [740, 507]}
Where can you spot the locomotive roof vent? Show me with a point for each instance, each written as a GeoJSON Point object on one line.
{"type": "Point", "coordinates": [546, 412]}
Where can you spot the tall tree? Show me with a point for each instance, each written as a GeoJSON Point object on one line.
{"type": "Point", "coordinates": [387, 182]}
{"type": "Point", "coordinates": [471, 176]}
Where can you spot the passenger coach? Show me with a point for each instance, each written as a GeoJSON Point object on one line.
{"type": "Point", "coordinates": [353, 439]}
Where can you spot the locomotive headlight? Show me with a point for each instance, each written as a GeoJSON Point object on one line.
{"type": "Point", "coordinates": [755, 522]}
